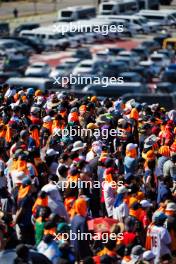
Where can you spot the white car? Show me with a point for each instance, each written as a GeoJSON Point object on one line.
{"type": "Point", "coordinates": [160, 59]}
{"type": "Point", "coordinates": [129, 54]}
{"type": "Point", "coordinates": [63, 69]}
{"type": "Point", "coordinates": [84, 66]}
{"type": "Point", "coordinates": [38, 69]}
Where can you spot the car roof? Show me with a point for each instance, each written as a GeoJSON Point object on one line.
{"type": "Point", "coordinates": [74, 8]}
{"type": "Point", "coordinates": [129, 74]}
{"type": "Point", "coordinates": [38, 64]}
{"type": "Point", "coordinates": [28, 79]}
{"type": "Point", "coordinates": [125, 84]}
{"type": "Point", "coordinates": [86, 61]}
{"type": "Point", "coordinates": [7, 40]}
{"type": "Point", "coordinates": [146, 63]}
{"type": "Point", "coordinates": [125, 52]}
{"type": "Point", "coordinates": [157, 55]}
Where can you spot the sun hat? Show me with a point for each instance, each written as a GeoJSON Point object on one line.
{"type": "Point", "coordinates": [78, 145]}
{"type": "Point", "coordinates": [150, 141]}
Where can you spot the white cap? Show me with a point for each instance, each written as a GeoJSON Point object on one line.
{"type": "Point", "coordinates": [47, 119]}
{"type": "Point", "coordinates": [131, 146]}
{"type": "Point", "coordinates": [122, 189]}
{"type": "Point", "coordinates": [51, 152]}
{"type": "Point", "coordinates": [35, 109]}
{"type": "Point", "coordinates": [145, 203]}
{"type": "Point", "coordinates": [171, 207]}
{"type": "Point", "coordinates": [18, 176]}
{"type": "Point", "coordinates": [148, 255]}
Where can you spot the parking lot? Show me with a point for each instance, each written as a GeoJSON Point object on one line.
{"type": "Point", "coordinates": [51, 48]}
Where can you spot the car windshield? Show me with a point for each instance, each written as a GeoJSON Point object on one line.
{"type": "Point", "coordinates": [66, 13]}
{"type": "Point", "coordinates": [62, 67]}
{"type": "Point", "coordinates": [85, 65]}
{"type": "Point", "coordinates": [6, 45]}
{"type": "Point", "coordinates": [38, 66]}
{"type": "Point", "coordinates": [156, 59]}
{"type": "Point", "coordinates": [143, 20]}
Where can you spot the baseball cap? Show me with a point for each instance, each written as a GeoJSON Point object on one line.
{"type": "Point", "coordinates": [131, 146]}
{"type": "Point", "coordinates": [35, 109]}
{"type": "Point", "coordinates": [145, 204]}
{"type": "Point", "coordinates": [24, 133]}
{"type": "Point", "coordinates": [26, 181]}
{"type": "Point", "coordinates": [137, 250]}
{"type": "Point", "coordinates": [51, 152]}
{"type": "Point", "coordinates": [122, 189]}
{"type": "Point", "coordinates": [148, 255]}
{"type": "Point", "coordinates": [73, 171]}
{"type": "Point", "coordinates": [159, 216]}
{"type": "Point", "coordinates": [47, 119]}
{"type": "Point", "coordinates": [171, 207]}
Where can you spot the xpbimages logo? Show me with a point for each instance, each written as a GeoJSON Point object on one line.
{"type": "Point", "coordinates": [80, 184]}
{"type": "Point", "coordinates": [104, 237]}
{"type": "Point", "coordinates": [85, 80]}
{"type": "Point", "coordinates": [86, 132]}
{"type": "Point", "coordinates": [104, 29]}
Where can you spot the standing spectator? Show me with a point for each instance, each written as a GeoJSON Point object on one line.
{"type": "Point", "coordinates": [15, 13]}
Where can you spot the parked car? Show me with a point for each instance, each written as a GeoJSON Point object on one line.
{"type": "Point", "coordinates": [14, 47]}
{"type": "Point", "coordinates": [38, 69]}
{"type": "Point", "coordinates": [115, 90]}
{"type": "Point", "coordinates": [34, 43]}
{"type": "Point", "coordinates": [72, 62]}
{"type": "Point", "coordinates": [149, 69]}
{"type": "Point", "coordinates": [28, 82]}
{"type": "Point", "coordinates": [160, 59]}
{"type": "Point", "coordinates": [142, 52]}
{"type": "Point", "coordinates": [165, 87]}
{"type": "Point", "coordinates": [115, 51]}
{"type": "Point", "coordinates": [4, 76]}
{"type": "Point", "coordinates": [114, 68]}
{"type": "Point", "coordinates": [19, 63]}
{"type": "Point", "coordinates": [130, 54]}
{"type": "Point", "coordinates": [83, 53]}
{"type": "Point", "coordinates": [160, 38]}
{"type": "Point", "coordinates": [169, 74]}
{"type": "Point", "coordinates": [26, 26]}
{"type": "Point", "coordinates": [129, 61]}
{"type": "Point", "coordinates": [132, 77]}
{"type": "Point", "coordinates": [142, 71]}
{"type": "Point", "coordinates": [4, 29]}
{"type": "Point", "coordinates": [63, 69]}
{"type": "Point", "coordinates": [88, 67]}
{"type": "Point", "coordinates": [151, 45]}
{"type": "Point", "coordinates": [168, 53]}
